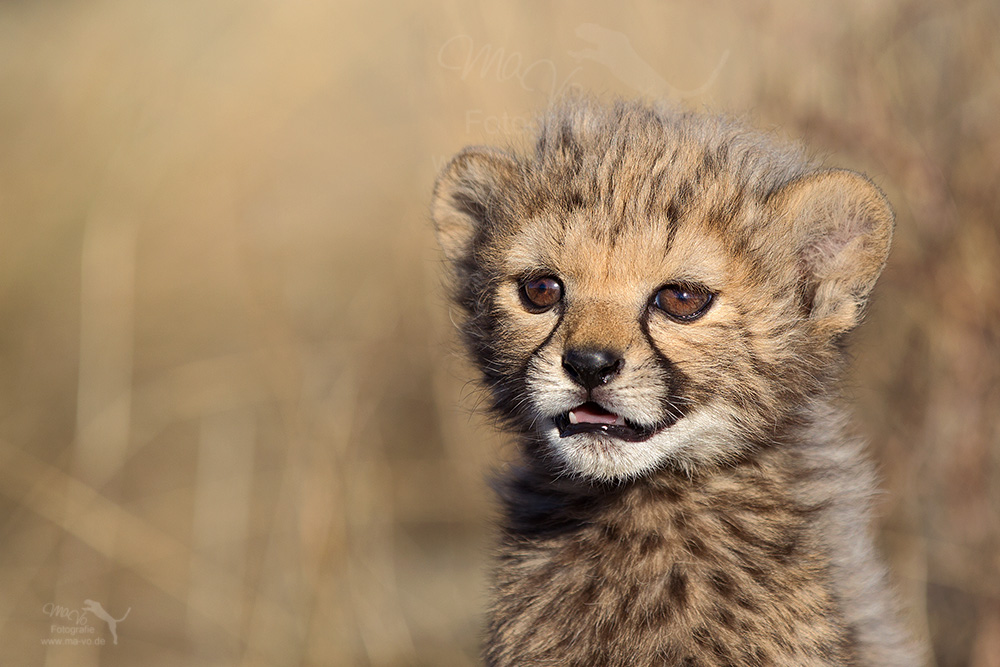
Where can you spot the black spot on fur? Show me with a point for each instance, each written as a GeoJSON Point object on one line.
{"type": "Point", "coordinates": [574, 201]}
{"type": "Point", "coordinates": [695, 546]}
{"type": "Point", "coordinates": [677, 586]}
{"type": "Point", "coordinates": [650, 543]}
{"type": "Point", "coordinates": [685, 193]}
{"type": "Point", "coordinates": [722, 583]}
{"type": "Point", "coordinates": [710, 163]}
{"type": "Point", "coordinates": [747, 602]}
{"type": "Point", "coordinates": [725, 617]}
{"type": "Point", "coordinates": [673, 212]}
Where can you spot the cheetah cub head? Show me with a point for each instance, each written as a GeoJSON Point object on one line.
{"type": "Point", "coordinates": [649, 287]}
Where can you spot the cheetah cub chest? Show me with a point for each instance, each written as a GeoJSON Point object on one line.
{"type": "Point", "coordinates": [657, 302]}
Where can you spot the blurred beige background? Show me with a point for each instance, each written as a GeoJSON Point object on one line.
{"type": "Point", "coordinates": [228, 399]}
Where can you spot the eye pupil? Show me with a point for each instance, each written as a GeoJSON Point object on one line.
{"type": "Point", "coordinates": [542, 292]}
{"type": "Point", "coordinates": [683, 302]}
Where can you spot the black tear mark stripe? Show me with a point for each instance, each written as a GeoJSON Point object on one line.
{"type": "Point", "coordinates": [674, 403]}
{"type": "Point", "coordinates": [544, 343]}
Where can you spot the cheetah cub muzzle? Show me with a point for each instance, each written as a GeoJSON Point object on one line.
{"type": "Point", "coordinates": [658, 303]}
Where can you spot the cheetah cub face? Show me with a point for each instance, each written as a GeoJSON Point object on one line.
{"type": "Point", "coordinates": [641, 293]}
{"type": "Point", "coordinates": [617, 341]}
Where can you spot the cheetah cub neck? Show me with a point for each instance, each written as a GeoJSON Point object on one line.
{"type": "Point", "coordinates": [657, 302]}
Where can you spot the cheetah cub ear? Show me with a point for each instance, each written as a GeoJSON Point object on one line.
{"type": "Point", "coordinates": [842, 225]}
{"type": "Point", "coordinates": [474, 192]}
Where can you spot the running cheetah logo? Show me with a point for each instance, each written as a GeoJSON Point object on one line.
{"type": "Point", "coordinates": [97, 610]}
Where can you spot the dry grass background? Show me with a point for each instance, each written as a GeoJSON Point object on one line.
{"type": "Point", "coordinates": [227, 400]}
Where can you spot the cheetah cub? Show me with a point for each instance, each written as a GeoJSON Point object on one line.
{"type": "Point", "coordinates": [658, 303]}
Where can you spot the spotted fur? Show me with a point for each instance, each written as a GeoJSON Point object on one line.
{"type": "Point", "coordinates": [735, 530]}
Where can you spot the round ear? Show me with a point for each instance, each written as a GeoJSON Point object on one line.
{"type": "Point", "coordinates": [842, 227]}
{"type": "Point", "coordinates": [472, 189]}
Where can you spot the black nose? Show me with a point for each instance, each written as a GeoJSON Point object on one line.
{"type": "Point", "coordinates": [591, 368]}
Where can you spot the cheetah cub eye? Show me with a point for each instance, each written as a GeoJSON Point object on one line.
{"type": "Point", "coordinates": [684, 303]}
{"type": "Point", "coordinates": [541, 294]}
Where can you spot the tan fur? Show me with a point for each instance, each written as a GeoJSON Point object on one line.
{"type": "Point", "coordinates": [731, 527]}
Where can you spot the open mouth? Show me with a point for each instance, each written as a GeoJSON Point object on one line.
{"type": "Point", "coordinates": [592, 418]}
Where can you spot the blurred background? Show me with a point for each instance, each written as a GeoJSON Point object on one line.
{"type": "Point", "coordinates": [230, 403]}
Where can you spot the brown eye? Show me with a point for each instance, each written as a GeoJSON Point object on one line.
{"type": "Point", "coordinates": [683, 302]}
{"type": "Point", "coordinates": [541, 293]}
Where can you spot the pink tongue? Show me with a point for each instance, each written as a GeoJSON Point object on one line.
{"type": "Point", "coordinates": [588, 414]}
